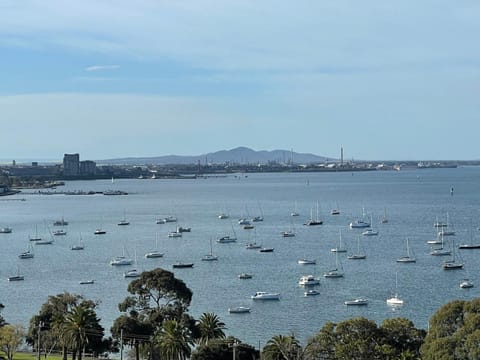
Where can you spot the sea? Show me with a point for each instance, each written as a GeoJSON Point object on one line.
{"type": "Point", "coordinates": [412, 200]}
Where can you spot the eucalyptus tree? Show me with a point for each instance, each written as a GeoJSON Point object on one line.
{"type": "Point", "coordinates": [11, 337]}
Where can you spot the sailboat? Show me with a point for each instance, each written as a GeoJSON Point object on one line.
{"type": "Point", "coordinates": [227, 238]}
{"type": "Point", "coordinates": [16, 277]}
{"type": "Point", "coordinates": [27, 254]}
{"type": "Point", "coordinates": [78, 246]}
{"type": "Point", "coordinates": [210, 257]}
{"type": "Point", "coordinates": [407, 258]}
{"type": "Point", "coordinates": [470, 245]}
{"type": "Point", "coordinates": [384, 218]}
{"type": "Point", "coordinates": [370, 232]}
{"type": "Point", "coordinates": [358, 255]}
{"type": "Point", "coordinates": [155, 253]}
{"type": "Point", "coordinates": [445, 231]}
{"type": "Point", "coordinates": [452, 264]}
{"type": "Point", "coordinates": [312, 221]}
{"type": "Point", "coordinates": [36, 237]}
{"type": "Point", "coordinates": [440, 251]}
{"type": "Point", "coordinates": [124, 221]}
{"type": "Point", "coordinates": [294, 212]}
{"type": "Point", "coordinates": [289, 233]}
{"type": "Point", "coordinates": [337, 272]}
{"type": "Point", "coordinates": [340, 247]}
{"type": "Point", "coordinates": [360, 223]}
{"type": "Point", "coordinates": [121, 260]}
{"type": "Point", "coordinates": [395, 300]}
{"type": "Point", "coordinates": [133, 273]}
{"type": "Point", "coordinates": [335, 211]}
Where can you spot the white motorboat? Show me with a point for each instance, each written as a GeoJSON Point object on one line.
{"type": "Point", "coordinates": [308, 280]}
{"type": "Point", "coordinates": [288, 233]}
{"type": "Point", "coordinates": [253, 246]}
{"type": "Point", "coordinates": [262, 295]}
{"type": "Point", "coordinates": [466, 284]}
{"type": "Point", "coordinates": [223, 216]}
{"type": "Point", "coordinates": [59, 232]}
{"type": "Point", "coordinates": [311, 292]}
{"type": "Point", "coordinates": [77, 247]}
{"type": "Point", "coordinates": [370, 232]}
{"type": "Point", "coordinates": [243, 221]}
{"type": "Point", "coordinates": [239, 310]}
{"type": "Point", "coordinates": [307, 262]}
{"type": "Point", "coordinates": [356, 302]}
{"type": "Point", "coordinates": [257, 219]}
{"type": "Point", "coordinates": [99, 232]}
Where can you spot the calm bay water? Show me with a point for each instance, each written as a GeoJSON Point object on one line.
{"type": "Point", "coordinates": [412, 199]}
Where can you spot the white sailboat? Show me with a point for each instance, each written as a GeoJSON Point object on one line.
{"type": "Point", "coordinates": [227, 238]}
{"type": "Point", "coordinates": [124, 221]}
{"type": "Point", "coordinates": [395, 300]}
{"type": "Point", "coordinates": [337, 272]}
{"type": "Point", "coordinates": [452, 264]}
{"type": "Point", "coordinates": [358, 255]}
{"type": "Point", "coordinates": [441, 250]}
{"type": "Point", "coordinates": [155, 253]}
{"type": "Point", "coordinates": [121, 260]}
{"type": "Point", "coordinates": [371, 231]}
{"type": "Point", "coordinates": [294, 212]}
{"type": "Point", "coordinates": [408, 258]}
{"type": "Point", "coordinates": [132, 273]}
{"type": "Point", "coordinates": [16, 277]}
{"type": "Point", "coordinates": [340, 247]}
{"type": "Point", "coordinates": [210, 257]}
{"type": "Point", "coordinates": [27, 254]}
{"type": "Point", "coordinates": [384, 218]}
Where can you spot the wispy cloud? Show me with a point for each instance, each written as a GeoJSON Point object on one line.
{"type": "Point", "coordinates": [102, 67]}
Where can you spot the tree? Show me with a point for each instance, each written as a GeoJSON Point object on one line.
{"type": "Point", "coordinates": [222, 349]}
{"type": "Point", "coordinates": [401, 338]}
{"type": "Point", "coordinates": [157, 295]}
{"type": "Point", "coordinates": [133, 332]}
{"type": "Point", "coordinates": [210, 327]}
{"type": "Point", "coordinates": [2, 320]}
{"type": "Point", "coordinates": [454, 332]}
{"type": "Point", "coordinates": [50, 321]}
{"type": "Point", "coordinates": [174, 341]}
{"type": "Point", "coordinates": [11, 337]}
{"type": "Point", "coordinates": [81, 324]}
{"type": "Point", "coordinates": [357, 339]}
{"type": "Point", "coordinates": [282, 347]}
{"type": "Point", "coordinates": [322, 345]}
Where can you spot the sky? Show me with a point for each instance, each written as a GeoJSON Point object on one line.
{"type": "Point", "coordinates": [385, 80]}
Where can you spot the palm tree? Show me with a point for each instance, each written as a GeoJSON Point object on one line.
{"type": "Point", "coordinates": [211, 327]}
{"type": "Point", "coordinates": [174, 340]}
{"type": "Point", "coordinates": [80, 321]}
{"type": "Point", "coordinates": [282, 347]}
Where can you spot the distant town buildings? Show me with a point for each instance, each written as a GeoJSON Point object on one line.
{"type": "Point", "coordinates": [72, 166]}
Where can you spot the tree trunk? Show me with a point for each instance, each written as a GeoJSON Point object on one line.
{"type": "Point", "coordinates": [64, 353]}
{"type": "Point", "coordinates": [137, 351]}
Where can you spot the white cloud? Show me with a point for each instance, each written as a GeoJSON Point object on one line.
{"type": "Point", "coordinates": [102, 67]}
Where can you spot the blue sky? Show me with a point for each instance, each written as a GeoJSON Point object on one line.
{"type": "Point", "coordinates": [383, 79]}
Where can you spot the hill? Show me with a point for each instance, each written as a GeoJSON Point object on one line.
{"type": "Point", "coordinates": [239, 155]}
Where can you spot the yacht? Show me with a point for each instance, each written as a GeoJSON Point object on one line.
{"type": "Point", "coordinates": [307, 262]}
{"type": "Point", "coordinates": [257, 218]}
{"type": "Point", "coordinates": [245, 276]}
{"type": "Point", "coordinates": [395, 300]}
{"type": "Point", "coordinates": [86, 282]}
{"type": "Point", "coordinates": [243, 221]}
{"type": "Point", "coordinates": [44, 242]}
{"type": "Point", "coordinates": [77, 247]}
{"type": "Point", "coordinates": [60, 222]}
{"type": "Point", "coordinates": [253, 246]}
{"type": "Point", "coordinates": [183, 229]}
{"type": "Point", "coordinates": [134, 273]}
{"type": "Point", "coordinates": [99, 232]}
{"type": "Point", "coordinates": [239, 310]}
{"type": "Point", "coordinates": [408, 258]}
{"type": "Point", "coordinates": [469, 246]}
{"type": "Point", "coordinates": [174, 234]}
{"type": "Point", "coordinates": [59, 232]}
{"type": "Point", "coordinates": [466, 284]}
{"type": "Point", "coordinates": [356, 302]}
{"type": "Point", "coordinates": [288, 233]}
{"type": "Point", "coordinates": [268, 249]}
{"type": "Point", "coordinates": [370, 232]}
{"type": "Point", "coordinates": [223, 216]}
{"type": "Point", "coordinates": [5, 230]}
{"type": "Point", "coordinates": [262, 295]}
{"type": "Point", "coordinates": [308, 280]}
{"type": "Point", "coordinates": [334, 273]}
{"type": "Point", "coordinates": [123, 222]}
{"type": "Point", "coordinates": [26, 255]}
{"type": "Point", "coordinates": [311, 292]}
{"type": "Point", "coordinates": [16, 278]}
{"type": "Point", "coordinates": [359, 224]}
{"type": "Point", "coordinates": [226, 239]}
{"type": "Point", "coordinates": [153, 254]}
{"type": "Point", "coordinates": [248, 227]}
{"type": "Point", "coordinates": [181, 265]}
{"type": "Point", "coordinates": [120, 261]}
{"type": "Point", "coordinates": [209, 257]}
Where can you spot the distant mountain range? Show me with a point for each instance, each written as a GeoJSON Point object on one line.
{"type": "Point", "coordinates": [239, 155]}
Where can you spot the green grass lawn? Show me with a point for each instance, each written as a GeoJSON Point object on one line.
{"type": "Point", "coordinates": [31, 356]}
